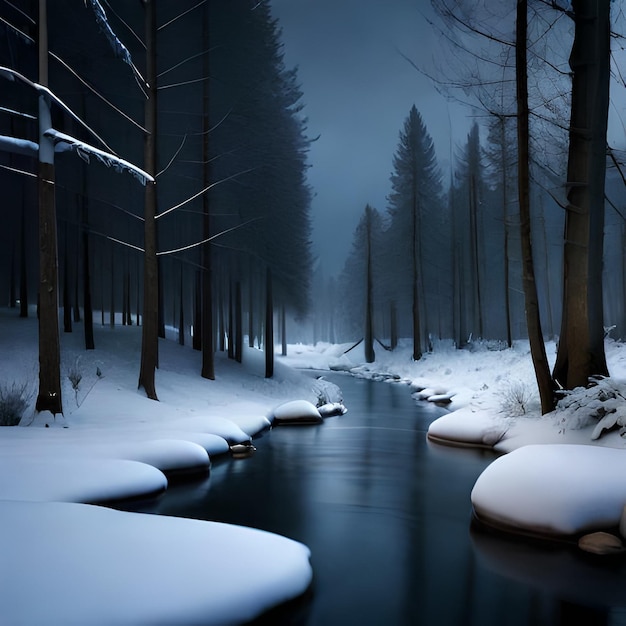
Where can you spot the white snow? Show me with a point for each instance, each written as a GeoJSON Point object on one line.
{"type": "Point", "coordinates": [75, 564]}
{"type": "Point", "coordinates": [296, 411]}
{"type": "Point", "coordinates": [86, 564]}
{"type": "Point", "coordinates": [554, 489]}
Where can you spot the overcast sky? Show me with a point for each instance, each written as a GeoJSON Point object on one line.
{"type": "Point", "coordinates": [358, 89]}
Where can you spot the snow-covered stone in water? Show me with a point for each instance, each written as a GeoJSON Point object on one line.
{"type": "Point", "coordinates": [601, 543]}
{"type": "Point", "coordinates": [297, 412]}
{"type": "Point", "coordinates": [170, 456]}
{"type": "Point", "coordinates": [545, 489]}
{"type": "Point", "coordinates": [332, 408]}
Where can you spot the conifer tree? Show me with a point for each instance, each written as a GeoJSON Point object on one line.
{"type": "Point", "coordinates": [416, 190]}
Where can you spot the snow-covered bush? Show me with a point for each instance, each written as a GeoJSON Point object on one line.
{"type": "Point", "coordinates": [14, 400]}
{"type": "Point", "coordinates": [603, 404]}
{"type": "Point", "coordinates": [516, 395]}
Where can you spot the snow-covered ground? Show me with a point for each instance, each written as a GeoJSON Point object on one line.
{"type": "Point", "coordinates": [72, 563]}
{"type": "Point", "coordinates": [65, 561]}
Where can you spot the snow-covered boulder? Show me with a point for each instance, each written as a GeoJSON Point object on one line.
{"type": "Point", "coordinates": [296, 412]}
{"type": "Point", "coordinates": [468, 427]}
{"type": "Point", "coordinates": [555, 489]}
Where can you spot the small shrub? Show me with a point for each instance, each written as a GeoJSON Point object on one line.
{"type": "Point", "coordinates": [74, 375]}
{"type": "Point", "coordinates": [14, 400]}
{"type": "Point", "coordinates": [515, 398]}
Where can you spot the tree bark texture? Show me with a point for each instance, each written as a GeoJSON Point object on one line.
{"type": "Point", "coordinates": [581, 344]}
{"type": "Point", "coordinates": [149, 334]}
{"type": "Point", "coordinates": [269, 326]}
{"type": "Point", "coordinates": [533, 321]}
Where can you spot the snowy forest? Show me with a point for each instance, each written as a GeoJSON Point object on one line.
{"type": "Point", "coordinates": [198, 97]}
{"type": "Point", "coordinates": [176, 140]}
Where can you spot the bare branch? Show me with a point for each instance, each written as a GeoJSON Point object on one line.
{"type": "Point", "coordinates": [182, 143]}
{"type": "Point", "coordinates": [197, 195]}
{"type": "Point", "coordinates": [181, 15]}
{"type": "Point", "coordinates": [208, 239]}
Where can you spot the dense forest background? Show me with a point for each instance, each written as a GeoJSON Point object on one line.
{"type": "Point", "coordinates": [441, 262]}
{"type": "Point", "coordinates": [230, 166]}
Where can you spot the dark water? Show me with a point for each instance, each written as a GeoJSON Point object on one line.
{"type": "Point", "coordinates": [387, 516]}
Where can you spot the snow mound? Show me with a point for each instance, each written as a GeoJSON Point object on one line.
{"type": "Point", "coordinates": [69, 479]}
{"type": "Point", "coordinates": [545, 489]}
{"type": "Point", "coordinates": [297, 412]}
{"type": "Point", "coordinates": [106, 567]}
{"type": "Point", "coordinates": [468, 426]}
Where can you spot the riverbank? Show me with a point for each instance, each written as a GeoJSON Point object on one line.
{"type": "Point", "coordinates": [65, 561]}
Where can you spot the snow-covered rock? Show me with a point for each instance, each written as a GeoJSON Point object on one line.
{"type": "Point", "coordinates": [545, 489]}
{"type": "Point", "coordinates": [296, 412]}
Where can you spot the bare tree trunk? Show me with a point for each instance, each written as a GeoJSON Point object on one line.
{"type": "Point", "coordinates": [67, 304]}
{"type": "Point", "coordinates": [533, 322]}
{"type": "Point", "coordinates": [208, 330]}
{"type": "Point", "coordinates": [112, 293]}
{"type": "Point", "coordinates": [12, 290]}
{"type": "Point", "coordinates": [49, 395]}
{"type": "Point", "coordinates": [269, 326]}
{"type": "Point", "coordinates": [149, 335]}
{"type": "Point", "coordinates": [581, 344]}
{"type": "Point", "coordinates": [23, 265]}
{"type": "Point", "coordinates": [283, 331]}
{"type": "Point", "coordinates": [393, 325]}
{"type": "Point", "coordinates": [417, 350]}
{"type": "Point", "coordinates": [238, 323]}
{"type": "Point", "coordinates": [181, 314]}
{"type": "Point", "coordinates": [368, 335]}
{"type": "Point", "coordinates": [196, 340]}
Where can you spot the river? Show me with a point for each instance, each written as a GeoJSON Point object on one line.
{"type": "Point", "coordinates": [387, 516]}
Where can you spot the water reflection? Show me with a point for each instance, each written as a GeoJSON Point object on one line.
{"type": "Point", "coordinates": [387, 517]}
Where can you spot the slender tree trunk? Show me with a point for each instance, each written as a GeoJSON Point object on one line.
{"type": "Point", "coordinates": [67, 304]}
{"type": "Point", "coordinates": [196, 340]}
{"type": "Point", "coordinates": [149, 335]}
{"type": "Point", "coordinates": [231, 321]}
{"type": "Point", "coordinates": [251, 302]}
{"type": "Point", "coordinates": [76, 308]}
{"type": "Point", "coordinates": [393, 324]}
{"type": "Point", "coordinates": [87, 306]}
{"type": "Point", "coordinates": [112, 293]}
{"type": "Point", "coordinates": [581, 344]}
{"type": "Point", "coordinates": [23, 265]}
{"type": "Point", "coordinates": [12, 289]}
{"type": "Point", "coordinates": [208, 330]}
{"type": "Point", "coordinates": [269, 326]}
{"type": "Point", "coordinates": [368, 335]}
{"type": "Point", "coordinates": [49, 395]}
{"type": "Point", "coordinates": [505, 217]}
{"type": "Point", "coordinates": [537, 345]}
{"type": "Point", "coordinates": [181, 314]}
{"type": "Point", "coordinates": [417, 350]}
{"type": "Point", "coordinates": [283, 330]}
{"type": "Point", "coordinates": [473, 204]}
{"type": "Point", "coordinates": [238, 323]}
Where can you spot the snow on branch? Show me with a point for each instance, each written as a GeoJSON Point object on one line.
{"type": "Point", "coordinates": [119, 49]}
{"type": "Point", "coordinates": [12, 75]}
{"type": "Point", "coordinates": [18, 146]}
{"type": "Point", "coordinates": [63, 142]}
